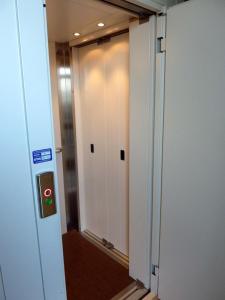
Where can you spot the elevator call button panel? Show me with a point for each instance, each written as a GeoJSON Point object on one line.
{"type": "Point", "coordinates": [46, 194]}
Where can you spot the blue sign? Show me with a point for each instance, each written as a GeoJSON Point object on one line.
{"type": "Point", "coordinates": [41, 156]}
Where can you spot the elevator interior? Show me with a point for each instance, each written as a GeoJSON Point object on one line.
{"type": "Point", "coordinates": [91, 84]}
{"type": "Point", "coordinates": [90, 69]}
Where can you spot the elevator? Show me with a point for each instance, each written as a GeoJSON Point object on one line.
{"type": "Point", "coordinates": [169, 167]}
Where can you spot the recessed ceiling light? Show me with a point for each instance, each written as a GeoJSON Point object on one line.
{"type": "Point", "coordinates": [101, 24]}
{"type": "Point", "coordinates": [76, 34]}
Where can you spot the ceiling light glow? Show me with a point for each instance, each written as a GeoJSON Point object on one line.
{"type": "Point", "coordinates": [76, 34]}
{"type": "Point", "coordinates": [101, 24]}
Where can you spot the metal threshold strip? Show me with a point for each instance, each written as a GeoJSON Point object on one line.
{"type": "Point", "coordinates": [113, 253]}
{"type": "Point", "coordinates": [134, 291]}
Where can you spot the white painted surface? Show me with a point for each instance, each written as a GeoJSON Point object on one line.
{"type": "Point", "coordinates": [192, 260]}
{"type": "Point", "coordinates": [142, 56]}
{"type": "Point", "coordinates": [36, 75]}
{"type": "Point", "coordinates": [93, 125]}
{"type": "Point", "coordinates": [104, 88]}
{"type": "Point", "coordinates": [57, 134]}
{"type": "Point", "coordinates": [20, 267]}
{"type": "Point", "coordinates": [117, 131]}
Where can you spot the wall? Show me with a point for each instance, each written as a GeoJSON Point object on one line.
{"type": "Point", "coordinates": [20, 268]}
{"type": "Point", "coordinates": [37, 105]}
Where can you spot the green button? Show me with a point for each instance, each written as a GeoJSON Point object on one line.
{"type": "Point", "coordinates": [48, 201]}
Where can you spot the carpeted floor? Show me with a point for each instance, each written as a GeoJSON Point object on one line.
{"type": "Point", "coordinates": [90, 273]}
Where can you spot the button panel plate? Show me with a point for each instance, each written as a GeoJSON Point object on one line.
{"type": "Point", "coordinates": [46, 194]}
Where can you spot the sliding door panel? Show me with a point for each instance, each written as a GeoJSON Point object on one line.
{"type": "Point", "coordinates": [117, 96]}
{"type": "Point", "coordinates": [92, 93]}
{"type": "Point", "coordinates": [104, 88]}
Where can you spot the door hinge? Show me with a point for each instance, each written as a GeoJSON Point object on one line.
{"type": "Point", "coordinates": [161, 45]}
{"type": "Point", "coordinates": [155, 270]}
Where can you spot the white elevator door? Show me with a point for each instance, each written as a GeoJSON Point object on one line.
{"type": "Point", "coordinates": [192, 258]}
{"type": "Point", "coordinates": [104, 92]}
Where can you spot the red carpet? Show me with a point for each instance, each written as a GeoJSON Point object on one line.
{"type": "Point", "coordinates": [90, 273]}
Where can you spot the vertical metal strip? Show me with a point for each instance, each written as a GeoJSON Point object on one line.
{"type": "Point", "coordinates": [158, 152]}
{"type": "Point", "coordinates": [65, 95]}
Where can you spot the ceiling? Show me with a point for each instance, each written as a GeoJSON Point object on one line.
{"type": "Point", "coordinates": [68, 16]}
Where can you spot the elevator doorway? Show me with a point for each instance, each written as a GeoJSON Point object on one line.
{"type": "Point", "coordinates": [100, 113]}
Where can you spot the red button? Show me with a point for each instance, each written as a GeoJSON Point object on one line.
{"type": "Point", "coordinates": [47, 192]}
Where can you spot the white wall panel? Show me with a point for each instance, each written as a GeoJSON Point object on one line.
{"type": "Point", "coordinates": [36, 76]}
{"type": "Point", "coordinates": [192, 258]}
{"type": "Point", "coordinates": [20, 267]}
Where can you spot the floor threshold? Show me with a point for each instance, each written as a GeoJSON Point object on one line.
{"type": "Point", "coordinates": [113, 253]}
{"type": "Point", "coordinates": [133, 292]}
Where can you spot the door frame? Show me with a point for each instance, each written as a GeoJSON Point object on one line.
{"type": "Point", "coordinates": [32, 13]}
